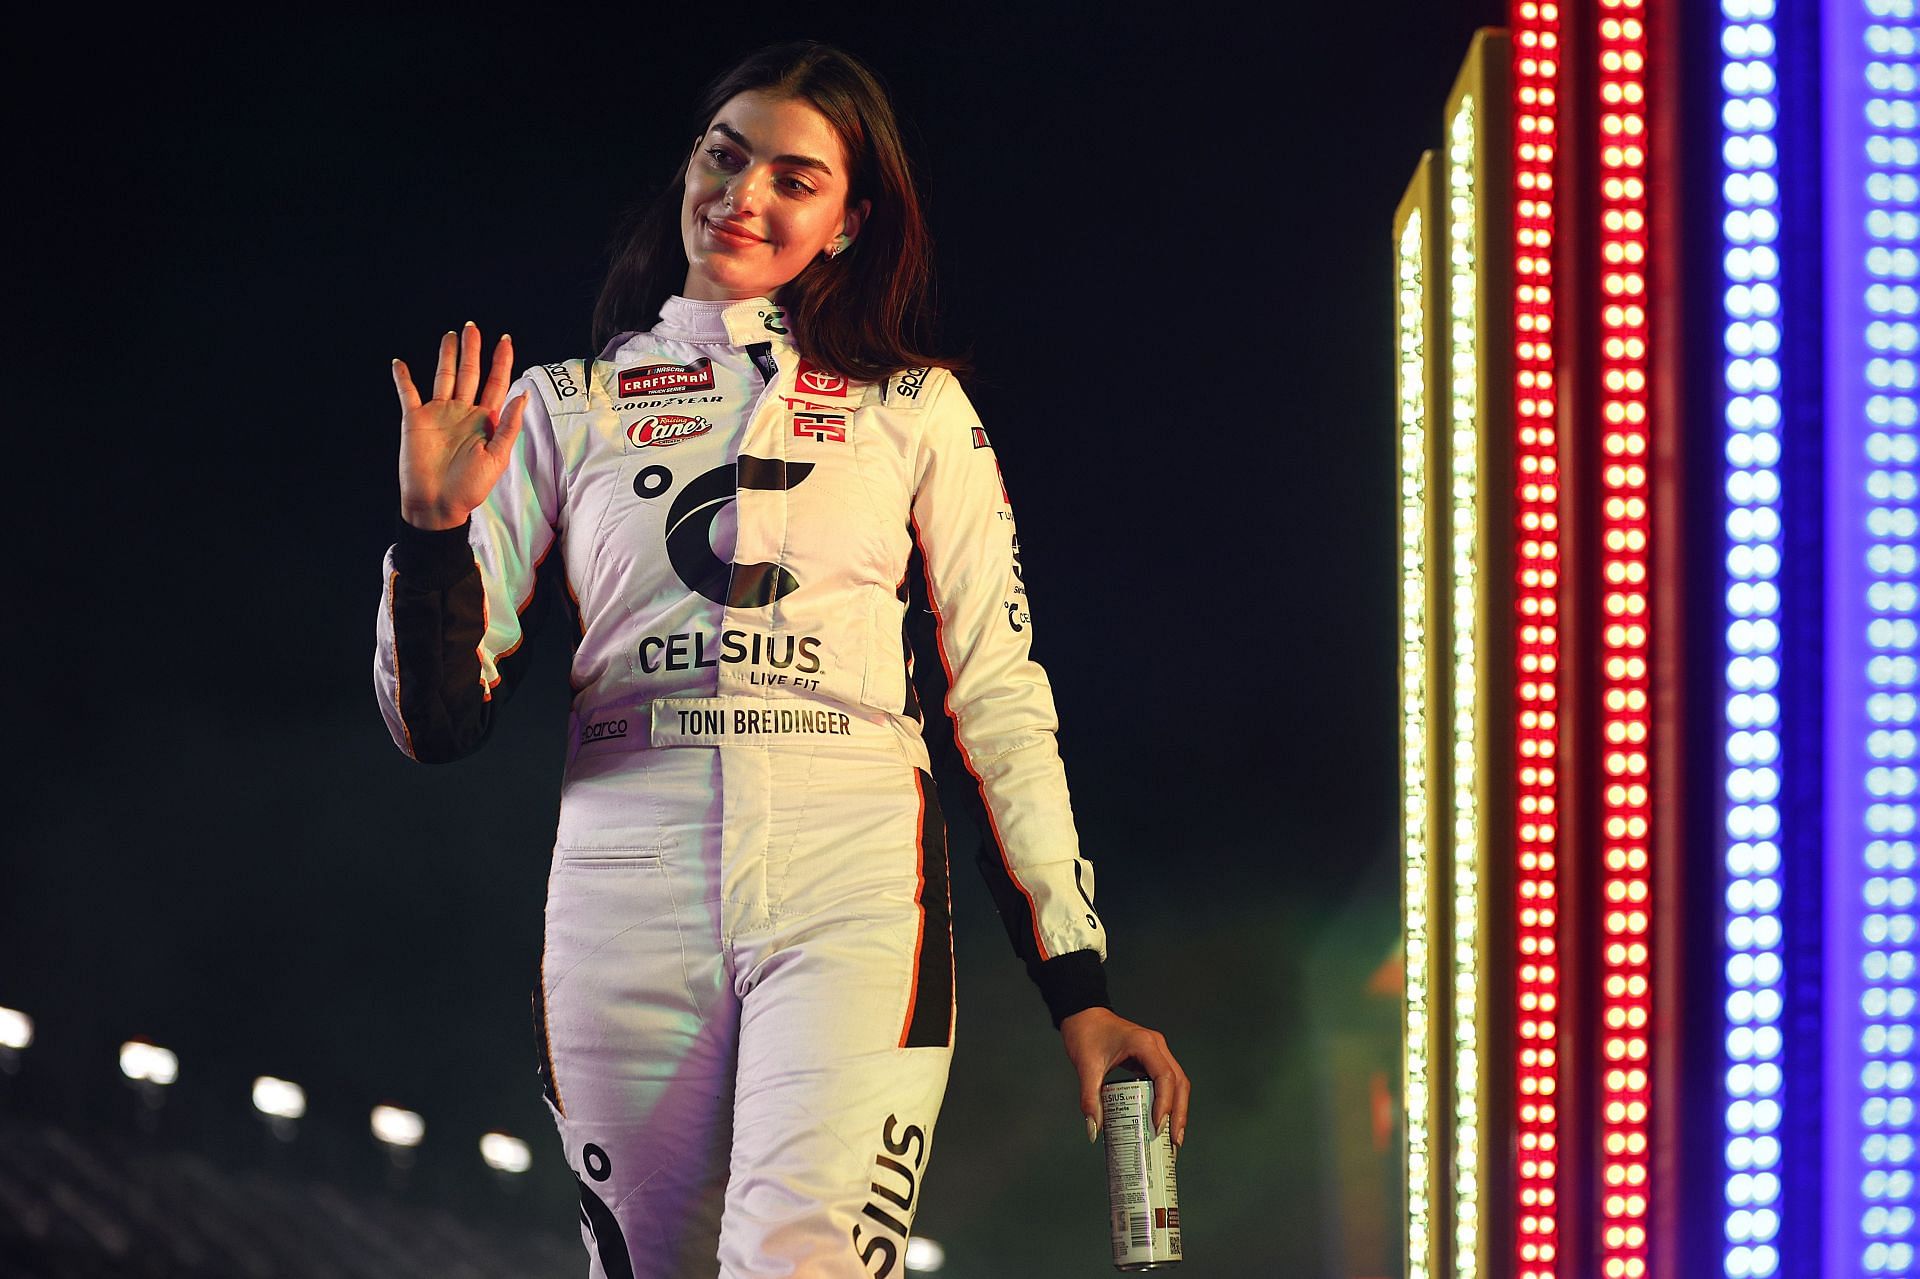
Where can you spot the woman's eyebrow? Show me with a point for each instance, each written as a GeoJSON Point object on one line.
{"type": "Point", "coordinates": [803, 161]}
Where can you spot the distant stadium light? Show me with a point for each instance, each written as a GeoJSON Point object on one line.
{"type": "Point", "coordinates": [508, 1154]}
{"type": "Point", "coordinates": [278, 1098]}
{"type": "Point", "coordinates": [925, 1254]}
{"type": "Point", "coordinates": [148, 1063]}
{"type": "Point", "coordinates": [16, 1029]}
{"type": "Point", "coordinates": [397, 1127]}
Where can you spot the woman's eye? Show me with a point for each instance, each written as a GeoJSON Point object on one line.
{"type": "Point", "coordinates": [797, 186]}
{"type": "Point", "coordinates": [722, 157]}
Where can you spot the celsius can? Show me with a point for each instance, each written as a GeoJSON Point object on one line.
{"type": "Point", "coordinates": [1142, 1198]}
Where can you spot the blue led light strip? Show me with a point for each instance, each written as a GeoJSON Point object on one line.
{"type": "Point", "coordinates": [1872, 201]}
{"type": "Point", "coordinates": [1750, 225]}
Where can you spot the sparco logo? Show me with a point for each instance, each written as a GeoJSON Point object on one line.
{"type": "Point", "coordinates": [690, 528]}
{"type": "Point", "coordinates": [776, 321]}
{"type": "Point", "coordinates": [907, 385]}
{"type": "Point", "coordinates": [813, 381]}
{"type": "Point", "coordinates": [662, 429]}
{"type": "Point", "coordinates": [898, 1185]}
{"type": "Point", "coordinates": [562, 380]}
{"type": "Point", "coordinates": [605, 730]}
{"type": "Point", "coordinates": [667, 379]}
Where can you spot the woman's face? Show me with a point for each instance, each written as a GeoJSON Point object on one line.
{"type": "Point", "coordinates": [766, 195]}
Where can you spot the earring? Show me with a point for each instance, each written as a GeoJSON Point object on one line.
{"type": "Point", "coordinates": [838, 247]}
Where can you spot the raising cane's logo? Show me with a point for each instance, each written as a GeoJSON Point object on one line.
{"type": "Point", "coordinates": [812, 381]}
{"type": "Point", "coordinates": [663, 429]}
{"type": "Point", "coordinates": [667, 379]}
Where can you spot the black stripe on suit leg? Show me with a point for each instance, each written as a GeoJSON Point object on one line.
{"type": "Point", "coordinates": [932, 1024]}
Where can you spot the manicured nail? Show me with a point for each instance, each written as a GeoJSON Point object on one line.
{"type": "Point", "coordinates": [1166, 1125]}
{"type": "Point", "coordinates": [469, 324]}
{"type": "Point", "coordinates": [505, 336]}
{"type": "Point", "coordinates": [1180, 1138]}
{"type": "Point", "coordinates": [1093, 1129]}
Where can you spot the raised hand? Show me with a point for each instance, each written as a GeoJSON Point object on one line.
{"type": "Point", "coordinates": [454, 447]}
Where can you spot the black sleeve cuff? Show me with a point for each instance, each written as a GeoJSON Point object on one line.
{"type": "Point", "coordinates": [432, 559]}
{"type": "Point", "coordinates": [1071, 983]}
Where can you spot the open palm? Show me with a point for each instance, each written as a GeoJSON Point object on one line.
{"type": "Point", "coordinates": [453, 447]}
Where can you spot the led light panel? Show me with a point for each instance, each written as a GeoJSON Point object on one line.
{"type": "Point", "coordinates": [1463, 253]}
{"type": "Point", "coordinates": [1536, 55]}
{"type": "Point", "coordinates": [1872, 202]}
{"type": "Point", "coordinates": [1416, 805]}
{"type": "Point", "coordinates": [1626, 722]}
{"type": "Point", "coordinates": [1751, 765]}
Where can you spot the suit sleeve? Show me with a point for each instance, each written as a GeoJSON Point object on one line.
{"type": "Point", "coordinates": [449, 641]}
{"type": "Point", "coordinates": [1002, 707]}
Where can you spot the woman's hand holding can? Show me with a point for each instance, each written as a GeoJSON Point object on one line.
{"type": "Point", "coordinates": [1098, 1039]}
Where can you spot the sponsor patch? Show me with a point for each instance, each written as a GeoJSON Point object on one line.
{"type": "Point", "coordinates": [667, 379]}
{"type": "Point", "coordinates": [816, 381]}
{"type": "Point", "coordinates": [980, 438]}
{"type": "Point", "coordinates": [907, 385]}
{"type": "Point", "coordinates": [647, 406]}
{"type": "Point", "coordinates": [827, 428]}
{"type": "Point", "coordinates": [562, 380]}
{"type": "Point", "coordinates": [603, 730]}
{"type": "Point", "coordinates": [663, 429]}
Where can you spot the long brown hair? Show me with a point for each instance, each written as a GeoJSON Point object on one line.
{"type": "Point", "coordinates": [866, 313]}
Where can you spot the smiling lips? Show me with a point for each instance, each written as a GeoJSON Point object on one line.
{"type": "Point", "coordinates": [730, 234]}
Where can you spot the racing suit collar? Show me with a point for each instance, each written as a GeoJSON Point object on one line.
{"type": "Point", "coordinates": [740, 322]}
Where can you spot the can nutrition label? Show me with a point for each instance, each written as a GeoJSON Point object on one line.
{"type": "Point", "coordinates": [1142, 1195]}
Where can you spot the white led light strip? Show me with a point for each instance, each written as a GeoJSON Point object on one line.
{"type": "Point", "coordinates": [1885, 906]}
{"type": "Point", "coordinates": [1752, 767]}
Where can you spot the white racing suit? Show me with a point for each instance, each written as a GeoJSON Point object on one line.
{"type": "Point", "coordinates": [745, 1005]}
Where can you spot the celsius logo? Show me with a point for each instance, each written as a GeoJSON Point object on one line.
{"type": "Point", "coordinates": [813, 381]}
{"type": "Point", "coordinates": [598, 1219]}
{"type": "Point", "coordinates": [662, 429]}
{"type": "Point", "coordinates": [690, 529]}
{"type": "Point", "coordinates": [667, 379]}
{"type": "Point", "coordinates": [897, 1184]}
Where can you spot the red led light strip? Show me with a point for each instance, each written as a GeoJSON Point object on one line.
{"type": "Point", "coordinates": [1536, 60]}
{"type": "Point", "coordinates": [1626, 722]}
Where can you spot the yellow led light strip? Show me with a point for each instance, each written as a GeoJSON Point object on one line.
{"type": "Point", "coordinates": [1463, 336]}
{"type": "Point", "coordinates": [1416, 811]}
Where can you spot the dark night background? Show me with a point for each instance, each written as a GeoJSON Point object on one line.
{"type": "Point", "coordinates": [1163, 236]}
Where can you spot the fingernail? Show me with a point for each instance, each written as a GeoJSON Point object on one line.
{"type": "Point", "coordinates": [469, 324]}
{"type": "Point", "coordinates": [1166, 1125]}
{"type": "Point", "coordinates": [1180, 1138]}
{"type": "Point", "coordinates": [1093, 1129]}
{"type": "Point", "coordinates": [505, 336]}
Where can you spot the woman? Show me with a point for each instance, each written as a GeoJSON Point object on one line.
{"type": "Point", "coordinates": [745, 1004]}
